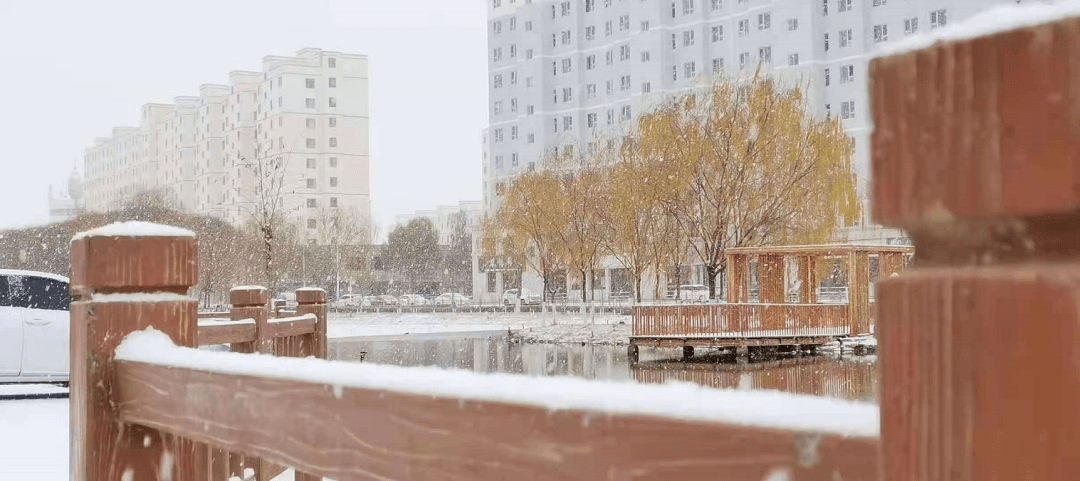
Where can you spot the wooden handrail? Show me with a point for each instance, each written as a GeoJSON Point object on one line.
{"type": "Point", "coordinates": [226, 332]}
{"type": "Point", "coordinates": [292, 326]}
{"type": "Point", "coordinates": [351, 432]}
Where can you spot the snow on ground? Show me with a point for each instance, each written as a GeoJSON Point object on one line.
{"type": "Point", "coordinates": [30, 389]}
{"type": "Point", "coordinates": [34, 439]}
{"type": "Point", "coordinates": [866, 341]}
{"type": "Point", "coordinates": [592, 334]}
{"type": "Point", "coordinates": [540, 327]}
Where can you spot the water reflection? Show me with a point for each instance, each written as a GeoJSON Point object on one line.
{"type": "Point", "coordinates": [850, 378]}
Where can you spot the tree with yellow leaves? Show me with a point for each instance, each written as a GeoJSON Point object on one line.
{"type": "Point", "coordinates": [746, 164]}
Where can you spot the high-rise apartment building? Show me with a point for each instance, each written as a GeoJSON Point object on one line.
{"type": "Point", "coordinates": [566, 73]}
{"type": "Point", "coordinates": [303, 120]}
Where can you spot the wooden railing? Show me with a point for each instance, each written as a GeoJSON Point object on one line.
{"type": "Point", "coordinates": [157, 410]}
{"type": "Point", "coordinates": [741, 320]}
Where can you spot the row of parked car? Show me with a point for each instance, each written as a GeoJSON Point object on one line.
{"type": "Point", "coordinates": [354, 301]}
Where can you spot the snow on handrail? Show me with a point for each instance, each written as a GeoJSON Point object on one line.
{"type": "Point", "coordinates": [305, 317]}
{"type": "Point", "coordinates": [141, 297]}
{"type": "Point", "coordinates": [682, 401]}
{"type": "Point", "coordinates": [135, 229]}
{"type": "Point", "coordinates": [224, 322]}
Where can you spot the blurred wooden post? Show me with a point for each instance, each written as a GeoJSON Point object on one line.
{"type": "Point", "coordinates": [808, 279]}
{"type": "Point", "coordinates": [738, 284]}
{"type": "Point", "coordinates": [858, 265]}
{"type": "Point", "coordinates": [313, 301]}
{"type": "Point", "coordinates": [771, 290]}
{"type": "Point", "coordinates": [975, 153]}
{"type": "Point", "coordinates": [249, 303]}
{"type": "Point", "coordinates": [103, 449]}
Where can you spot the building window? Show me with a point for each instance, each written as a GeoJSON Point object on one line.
{"type": "Point", "coordinates": [792, 24]}
{"type": "Point", "coordinates": [567, 122]}
{"type": "Point", "coordinates": [717, 66]}
{"type": "Point", "coordinates": [744, 58]}
{"type": "Point", "coordinates": [528, 26]}
{"type": "Point", "coordinates": [764, 21]}
{"type": "Point", "coordinates": [513, 105]}
{"type": "Point", "coordinates": [566, 65]}
{"type": "Point", "coordinates": [566, 37]}
{"type": "Point", "coordinates": [765, 54]}
{"type": "Point", "coordinates": [310, 143]}
{"type": "Point", "coordinates": [333, 141]}
{"type": "Point", "coordinates": [646, 87]}
{"type": "Point", "coordinates": [310, 183]}
{"type": "Point", "coordinates": [513, 159]}
{"type": "Point", "coordinates": [847, 74]}
{"type": "Point", "coordinates": [911, 25]}
{"type": "Point", "coordinates": [513, 23]}
{"type": "Point", "coordinates": [311, 163]}
{"type": "Point", "coordinates": [845, 38]}
{"type": "Point", "coordinates": [309, 123]}
{"type": "Point", "coordinates": [744, 27]}
{"type": "Point", "coordinates": [717, 33]}
{"type": "Point", "coordinates": [878, 3]}
{"type": "Point", "coordinates": [590, 120]}
{"type": "Point", "coordinates": [825, 7]}
{"type": "Point", "coordinates": [674, 43]}
{"type": "Point", "coordinates": [333, 202]}
{"type": "Point", "coordinates": [610, 116]}
{"type": "Point", "coordinates": [333, 162]}
{"type": "Point", "coordinates": [333, 121]}
{"type": "Point", "coordinates": [793, 60]}
{"type": "Point", "coordinates": [309, 83]}
{"type": "Point", "coordinates": [843, 5]}
{"type": "Point", "coordinates": [645, 26]}
{"type": "Point", "coordinates": [565, 8]}
{"type": "Point", "coordinates": [333, 102]}
{"type": "Point", "coordinates": [529, 110]}
{"type": "Point", "coordinates": [624, 23]}
{"type": "Point", "coordinates": [687, 7]}
{"type": "Point", "coordinates": [644, 56]}
{"type": "Point", "coordinates": [626, 112]}
{"type": "Point", "coordinates": [609, 57]}
{"type": "Point", "coordinates": [333, 182]}
{"type": "Point", "coordinates": [826, 77]}
{"type": "Point", "coordinates": [567, 94]}
{"type": "Point", "coordinates": [590, 5]}
{"type": "Point", "coordinates": [309, 103]}
{"type": "Point", "coordinates": [688, 38]}
{"type": "Point", "coordinates": [491, 276]}
{"type": "Point", "coordinates": [311, 203]}
{"type": "Point", "coordinates": [513, 50]}
{"type": "Point", "coordinates": [311, 223]}
{"type": "Point", "coordinates": [847, 109]}
{"type": "Point", "coordinates": [690, 70]}
{"type": "Point", "coordinates": [498, 107]}
{"type": "Point", "coordinates": [826, 42]}
{"type": "Point", "coordinates": [590, 91]}
{"type": "Point", "coordinates": [937, 18]}
{"type": "Point", "coordinates": [672, 9]}
{"type": "Point", "coordinates": [716, 4]}
{"type": "Point", "coordinates": [590, 62]}
{"type": "Point", "coordinates": [496, 27]}
{"type": "Point", "coordinates": [624, 52]}
{"type": "Point", "coordinates": [674, 72]}
{"type": "Point", "coordinates": [590, 32]}
{"type": "Point", "coordinates": [607, 28]}
{"type": "Point", "coordinates": [555, 125]}
{"type": "Point", "coordinates": [331, 62]}
{"type": "Point", "coordinates": [496, 55]}
{"type": "Point", "coordinates": [881, 33]}
{"type": "Point", "coordinates": [532, 138]}
{"type": "Point", "coordinates": [624, 82]}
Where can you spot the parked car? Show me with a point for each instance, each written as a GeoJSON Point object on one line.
{"type": "Point", "coordinates": [413, 300]}
{"type": "Point", "coordinates": [510, 297]}
{"type": "Point", "coordinates": [694, 293]}
{"type": "Point", "coordinates": [34, 322]}
{"type": "Point", "coordinates": [452, 299]}
{"type": "Point", "coordinates": [387, 300]}
{"type": "Point", "coordinates": [367, 301]}
{"type": "Point", "coordinates": [346, 301]}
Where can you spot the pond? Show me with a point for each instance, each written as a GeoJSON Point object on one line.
{"type": "Point", "coordinates": [852, 378]}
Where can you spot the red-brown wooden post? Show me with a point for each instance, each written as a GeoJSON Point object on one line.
{"type": "Point", "coordinates": [737, 284]}
{"type": "Point", "coordinates": [858, 264]}
{"type": "Point", "coordinates": [251, 303]}
{"type": "Point", "coordinates": [808, 279]}
{"type": "Point", "coordinates": [771, 290]}
{"type": "Point", "coordinates": [115, 284]}
{"type": "Point", "coordinates": [976, 153]}
{"type": "Point", "coordinates": [313, 301]}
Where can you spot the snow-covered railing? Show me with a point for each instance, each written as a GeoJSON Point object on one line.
{"type": "Point", "coordinates": [741, 321]}
{"type": "Point", "coordinates": [158, 408]}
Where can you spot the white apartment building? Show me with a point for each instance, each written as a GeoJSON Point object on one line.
{"type": "Point", "coordinates": [567, 72]}
{"type": "Point", "coordinates": [305, 118]}
{"type": "Point", "coordinates": [445, 218]}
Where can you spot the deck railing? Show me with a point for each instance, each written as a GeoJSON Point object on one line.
{"type": "Point", "coordinates": [741, 320]}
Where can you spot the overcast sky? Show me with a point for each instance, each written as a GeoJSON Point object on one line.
{"type": "Point", "coordinates": [74, 69]}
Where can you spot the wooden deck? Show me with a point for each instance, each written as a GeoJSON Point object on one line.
{"type": "Point", "coordinates": [739, 325]}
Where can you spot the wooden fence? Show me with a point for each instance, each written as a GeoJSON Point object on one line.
{"type": "Point", "coordinates": [741, 321]}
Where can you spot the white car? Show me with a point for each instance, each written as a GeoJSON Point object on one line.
{"type": "Point", "coordinates": [694, 293]}
{"type": "Point", "coordinates": [346, 301]}
{"type": "Point", "coordinates": [34, 327]}
{"type": "Point", "coordinates": [412, 300]}
{"type": "Point", "coordinates": [455, 299]}
{"type": "Point", "coordinates": [510, 297]}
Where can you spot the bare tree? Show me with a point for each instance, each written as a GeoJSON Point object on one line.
{"type": "Point", "coordinates": [339, 228]}
{"type": "Point", "coordinates": [264, 205]}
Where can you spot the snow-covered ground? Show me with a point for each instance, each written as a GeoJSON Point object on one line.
{"type": "Point", "coordinates": [34, 439]}
{"type": "Point", "coordinates": [538, 327]}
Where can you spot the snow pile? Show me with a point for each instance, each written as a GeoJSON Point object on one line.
{"type": "Point", "coordinates": [694, 403]}
{"type": "Point", "coordinates": [394, 324]}
{"type": "Point", "coordinates": [864, 342]}
{"type": "Point", "coordinates": [591, 334]}
{"type": "Point", "coordinates": [998, 19]}
{"type": "Point", "coordinates": [135, 229]}
{"type": "Point", "coordinates": [142, 297]}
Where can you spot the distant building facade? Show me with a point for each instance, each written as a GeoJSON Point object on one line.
{"type": "Point", "coordinates": [65, 204]}
{"type": "Point", "coordinates": [445, 219]}
{"type": "Point", "coordinates": [304, 118]}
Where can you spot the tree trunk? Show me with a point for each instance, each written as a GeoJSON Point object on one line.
{"type": "Point", "coordinates": [656, 288]}
{"type": "Point", "coordinates": [268, 244]}
{"type": "Point", "coordinates": [711, 271]}
{"type": "Point", "coordinates": [637, 286]}
{"type": "Point", "coordinates": [584, 287]}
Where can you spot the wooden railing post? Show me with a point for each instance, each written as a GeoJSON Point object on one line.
{"type": "Point", "coordinates": [251, 302]}
{"type": "Point", "coordinates": [127, 278]}
{"type": "Point", "coordinates": [313, 301]}
{"type": "Point", "coordinates": [975, 155]}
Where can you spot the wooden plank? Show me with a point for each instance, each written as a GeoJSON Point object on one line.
{"type": "Point", "coordinates": [425, 437]}
{"type": "Point", "coordinates": [291, 326]}
{"type": "Point", "coordinates": [214, 315]}
{"type": "Point", "coordinates": [239, 332]}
